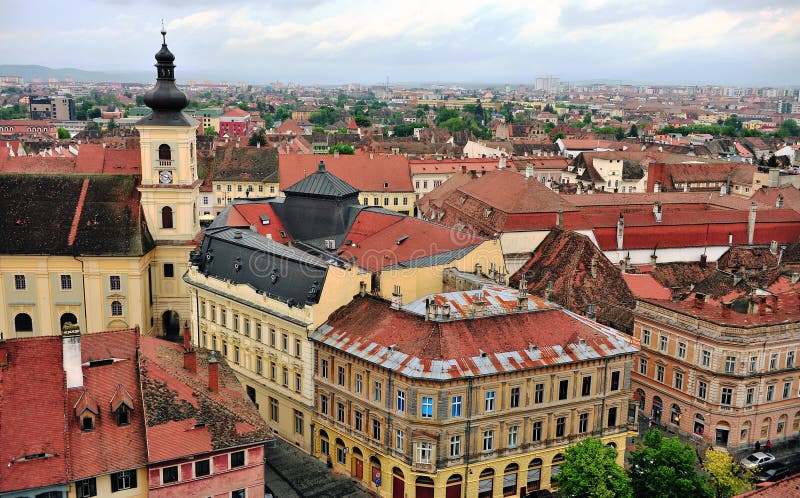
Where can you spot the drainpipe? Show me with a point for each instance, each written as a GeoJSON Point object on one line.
{"type": "Point", "coordinates": [603, 401]}
{"type": "Point", "coordinates": [85, 305]}
{"type": "Point", "coordinates": [467, 435]}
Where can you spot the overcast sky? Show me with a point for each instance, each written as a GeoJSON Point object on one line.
{"type": "Point", "coordinates": [341, 41]}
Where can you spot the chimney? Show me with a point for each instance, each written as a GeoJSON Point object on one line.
{"type": "Point", "coordinates": [657, 211]}
{"type": "Point", "coordinates": [762, 306]}
{"type": "Point", "coordinates": [478, 269]}
{"type": "Point", "coordinates": [594, 267]}
{"type": "Point", "coordinates": [528, 171]}
{"type": "Point", "coordinates": [213, 372]}
{"type": "Point", "coordinates": [189, 353]}
{"type": "Point", "coordinates": [362, 289]}
{"type": "Point", "coordinates": [560, 219]}
{"type": "Point", "coordinates": [773, 247]}
{"type": "Point", "coordinates": [726, 310]}
{"type": "Point", "coordinates": [522, 297]}
{"type": "Point", "coordinates": [751, 224]}
{"type": "Point", "coordinates": [703, 260]}
{"type": "Point", "coordinates": [773, 303]}
{"type": "Point", "coordinates": [397, 298]}
{"type": "Point", "coordinates": [686, 187]}
{"type": "Point", "coordinates": [372, 155]}
{"type": "Point", "coordinates": [549, 291]}
{"type": "Point", "coordinates": [502, 164]}
{"type": "Point", "coordinates": [580, 188]}
{"type": "Point", "coordinates": [463, 169]}
{"type": "Point", "coordinates": [653, 258]}
{"type": "Point", "coordinates": [730, 239]}
{"type": "Point", "coordinates": [779, 201]}
{"type": "Point", "coordinates": [620, 232]}
{"type": "Point", "coordinates": [446, 310]}
{"type": "Point", "coordinates": [590, 314]}
{"type": "Point", "coordinates": [657, 187]}
{"type": "Point", "coordinates": [335, 153]}
{"type": "Point", "coordinates": [71, 346]}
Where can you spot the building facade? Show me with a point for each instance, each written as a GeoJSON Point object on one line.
{"type": "Point", "coordinates": [465, 394]}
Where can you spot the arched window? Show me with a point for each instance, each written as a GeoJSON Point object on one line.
{"type": "Point", "coordinates": [164, 153]}
{"type": "Point", "coordinates": [486, 484]}
{"type": "Point", "coordinates": [510, 480]}
{"type": "Point", "coordinates": [657, 406]}
{"type": "Point", "coordinates": [424, 487]}
{"type": "Point", "coordinates": [796, 422]}
{"type": "Point", "coordinates": [765, 427]}
{"type": "Point", "coordinates": [23, 323]}
{"type": "Point", "coordinates": [166, 217]}
{"type": "Point", "coordinates": [534, 474]}
{"type": "Point", "coordinates": [699, 424]}
{"type": "Point", "coordinates": [116, 308]}
{"type": "Point", "coordinates": [675, 414]}
{"type": "Point", "coordinates": [782, 424]}
{"type": "Point", "coordinates": [555, 470]}
{"type": "Point", "coordinates": [641, 397]}
{"type": "Point", "coordinates": [68, 318]}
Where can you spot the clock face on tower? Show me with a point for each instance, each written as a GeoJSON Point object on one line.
{"type": "Point", "coordinates": [165, 177]}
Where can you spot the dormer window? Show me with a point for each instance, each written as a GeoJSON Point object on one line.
{"type": "Point", "coordinates": [123, 416]}
{"type": "Point", "coordinates": [87, 423]}
{"type": "Point", "coordinates": [122, 406]}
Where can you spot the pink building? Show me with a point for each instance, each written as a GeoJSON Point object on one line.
{"type": "Point", "coordinates": [235, 123]}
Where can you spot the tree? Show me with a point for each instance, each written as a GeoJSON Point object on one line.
{"type": "Point", "coordinates": [665, 467]}
{"type": "Point", "coordinates": [549, 108]}
{"type": "Point", "coordinates": [634, 131]}
{"type": "Point", "coordinates": [454, 124]}
{"type": "Point", "coordinates": [325, 116]}
{"type": "Point", "coordinates": [363, 121]}
{"type": "Point", "coordinates": [548, 127]}
{"type": "Point", "coordinates": [258, 138]}
{"type": "Point", "coordinates": [727, 476]}
{"type": "Point", "coordinates": [587, 118]}
{"type": "Point", "coordinates": [63, 133]}
{"type": "Point", "coordinates": [342, 149]}
{"type": "Point", "coordinates": [558, 135]}
{"type": "Point", "coordinates": [283, 113]}
{"type": "Point", "coordinates": [210, 131]}
{"type": "Point", "coordinates": [444, 114]}
{"type": "Point", "coordinates": [591, 471]}
{"type": "Point", "coordinates": [140, 100]}
{"type": "Point", "coordinates": [243, 106]}
{"type": "Point", "coordinates": [772, 162]}
{"type": "Point", "coordinates": [789, 128]}
{"type": "Point", "coordinates": [112, 125]}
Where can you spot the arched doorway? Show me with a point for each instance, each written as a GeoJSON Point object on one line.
{"type": "Point", "coordinates": [486, 484]}
{"type": "Point", "coordinates": [67, 318]}
{"type": "Point", "coordinates": [341, 452]}
{"type": "Point", "coordinates": [357, 464]}
{"type": "Point", "coordinates": [781, 427]}
{"type": "Point", "coordinates": [555, 470]}
{"type": "Point", "coordinates": [375, 470]}
{"type": "Point", "coordinates": [722, 433]}
{"type": "Point", "coordinates": [510, 479]}
{"type": "Point", "coordinates": [453, 488]}
{"type": "Point", "coordinates": [675, 414]}
{"type": "Point", "coordinates": [534, 475]}
{"type": "Point", "coordinates": [171, 323]}
{"type": "Point", "coordinates": [657, 409]}
{"type": "Point", "coordinates": [324, 444]}
{"type": "Point", "coordinates": [398, 483]}
{"type": "Point", "coordinates": [699, 424]}
{"type": "Point", "coordinates": [765, 427]}
{"type": "Point", "coordinates": [424, 487]}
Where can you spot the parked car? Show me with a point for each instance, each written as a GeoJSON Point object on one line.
{"type": "Point", "coordinates": [772, 472]}
{"type": "Point", "coordinates": [756, 459]}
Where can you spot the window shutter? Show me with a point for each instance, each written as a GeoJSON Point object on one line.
{"type": "Point", "coordinates": [485, 485]}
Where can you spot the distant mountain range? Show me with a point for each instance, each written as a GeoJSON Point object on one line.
{"type": "Point", "coordinates": [31, 72]}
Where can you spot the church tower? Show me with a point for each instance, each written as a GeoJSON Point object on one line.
{"type": "Point", "coordinates": [169, 192]}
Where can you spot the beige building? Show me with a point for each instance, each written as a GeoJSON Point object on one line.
{"type": "Point", "coordinates": [465, 394]}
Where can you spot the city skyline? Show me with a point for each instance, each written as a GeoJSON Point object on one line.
{"type": "Point", "coordinates": [341, 41]}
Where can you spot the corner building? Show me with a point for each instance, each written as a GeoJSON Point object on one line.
{"type": "Point", "coordinates": [465, 394]}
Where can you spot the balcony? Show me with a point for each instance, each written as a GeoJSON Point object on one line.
{"type": "Point", "coordinates": [164, 163]}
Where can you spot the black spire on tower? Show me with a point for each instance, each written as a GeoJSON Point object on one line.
{"type": "Point", "coordinates": [166, 100]}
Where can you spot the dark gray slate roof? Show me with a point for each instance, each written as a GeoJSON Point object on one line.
{"type": "Point", "coordinates": [433, 260]}
{"type": "Point", "coordinates": [321, 183]}
{"type": "Point", "coordinates": [245, 257]}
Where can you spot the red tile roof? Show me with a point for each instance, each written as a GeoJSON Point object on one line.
{"type": "Point", "coordinates": [249, 214]}
{"type": "Point", "coordinates": [236, 113]}
{"type": "Point", "coordinates": [289, 126]}
{"type": "Point", "coordinates": [511, 192]}
{"type": "Point", "coordinates": [32, 407]}
{"type": "Point", "coordinates": [432, 166]}
{"type": "Point", "coordinates": [589, 144]}
{"type": "Point", "coordinates": [645, 286]}
{"type": "Point", "coordinates": [368, 174]}
{"type": "Point", "coordinates": [109, 447]}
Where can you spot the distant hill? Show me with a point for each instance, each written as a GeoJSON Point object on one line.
{"type": "Point", "coordinates": [31, 72]}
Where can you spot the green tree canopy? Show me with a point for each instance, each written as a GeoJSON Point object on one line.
{"type": "Point", "coordinates": [549, 108]}
{"type": "Point", "coordinates": [283, 112]}
{"type": "Point", "coordinates": [210, 131]}
{"type": "Point", "coordinates": [587, 118]}
{"type": "Point", "coordinates": [634, 131]}
{"type": "Point", "coordinates": [325, 116]}
{"type": "Point", "coordinates": [63, 133]}
{"type": "Point", "coordinates": [665, 467]}
{"type": "Point", "coordinates": [591, 471]}
{"type": "Point", "coordinates": [445, 114]}
{"type": "Point", "coordinates": [454, 124]}
{"type": "Point", "coordinates": [406, 130]}
{"type": "Point", "coordinates": [726, 476]}
{"type": "Point", "coordinates": [258, 138]}
{"type": "Point", "coordinates": [342, 149]}
{"type": "Point", "coordinates": [789, 128]}
{"type": "Point", "coordinates": [363, 121]}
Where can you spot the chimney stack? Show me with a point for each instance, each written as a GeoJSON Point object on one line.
{"type": "Point", "coordinates": [502, 163]}
{"type": "Point", "coordinates": [779, 201]}
{"type": "Point", "coordinates": [213, 372]}
{"type": "Point", "coordinates": [773, 247]}
{"type": "Point", "coordinates": [549, 291]}
{"type": "Point", "coordinates": [594, 267]}
{"type": "Point", "coordinates": [397, 298]}
{"type": "Point", "coordinates": [653, 258]}
{"type": "Point", "coordinates": [522, 297]}
{"type": "Point", "coordinates": [620, 232]}
{"type": "Point", "coordinates": [560, 219]}
{"type": "Point", "coordinates": [528, 171]}
{"type": "Point", "coordinates": [657, 211]}
{"type": "Point", "coordinates": [751, 224]}
{"type": "Point", "coordinates": [71, 347]}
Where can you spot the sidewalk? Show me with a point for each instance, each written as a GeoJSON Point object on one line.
{"type": "Point", "coordinates": [307, 476]}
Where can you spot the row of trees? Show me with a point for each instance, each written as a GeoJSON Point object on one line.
{"type": "Point", "coordinates": [660, 466]}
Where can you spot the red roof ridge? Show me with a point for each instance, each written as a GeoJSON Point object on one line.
{"type": "Point", "coordinates": [73, 231]}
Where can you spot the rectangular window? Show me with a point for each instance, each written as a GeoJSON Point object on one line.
{"type": "Point", "coordinates": [298, 348]}
{"type": "Point", "coordinates": [455, 406]}
{"type": "Point", "coordinates": [455, 446]}
{"type": "Point", "coordinates": [612, 416]}
{"type": "Point", "coordinates": [323, 404]}
{"type": "Point", "coordinates": [726, 397]}
{"type": "Point", "coordinates": [169, 270]}
{"type": "Point", "coordinates": [702, 387]}
{"type": "Point", "coordinates": [273, 410]}
{"type": "Point", "coordinates": [235, 322]}
{"type": "Point", "coordinates": [298, 381]}
{"type": "Point", "coordinates": [213, 313]}
{"type": "Point", "coordinates": [169, 474]}
{"type": "Point", "coordinates": [19, 282]}
{"type": "Point", "coordinates": [224, 349]}
{"type": "Point", "coordinates": [125, 479]}
{"type": "Point", "coordinates": [323, 368]}
{"type": "Point", "coordinates": [753, 363]}
{"type": "Point", "coordinates": [513, 436]}
{"type": "Point", "coordinates": [86, 488]}
{"type": "Point", "coordinates": [285, 377]}
{"type": "Point", "coordinates": [340, 412]}
{"type": "Point", "coordinates": [706, 361]}
{"type": "Point", "coordinates": [645, 337]}
{"type": "Point", "coordinates": [770, 393]}
{"type": "Point", "coordinates": [730, 364]}
{"type": "Point", "coordinates": [660, 373]}
{"type": "Point", "coordinates": [513, 401]}
{"type": "Point", "coordinates": [376, 390]}
{"type": "Point", "coordinates": [583, 423]}
{"type": "Point", "coordinates": [247, 327]}
{"type": "Point", "coordinates": [236, 354]}
{"type": "Point", "coordinates": [272, 337]}
{"type": "Point", "coordinates": [237, 459]}
{"type": "Point", "coordinates": [399, 439]}
{"type": "Point", "coordinates": [536, 432]}
{"type": "Point", "coordinates": [773, 361]}
{"type": "Point", "coordinates": [202, 309]}
{"type": "Point", "coordinates": [424, 451]}
{"type": "Point", "coordinates": [258, 332]}
{"type": "Point", "coordinates": [561, 426]}
{"type": "Point", "coordinates": [359, 383]}
{"type": "Point", "coordinates": [401, 401]}
{"type": "Point", "coordinates": [298, 422]}
{"type": "Point", "coordinates": [427, 407]}
{"type": "Point", "coordinates": [488, 440]}
{"type": "Point", "coordinates": [679, 381]}
{"type": "Point", "coordinates": [586, 386]}
{"type": "Point", "coordinates": [615, 381]}
{"type": "Point", "coordinates": [681, 350]}
{"type": "Point", "coordinates": [340, 375]}
{"type": "Point", "coordinates": [750, 395]}
{"type": "Point", "coordinates": [787, 388]}
{"type": "Point", "coordinates": [538, 394]}
{"type": "Point", "coordinates": [790, 359]}
{"type": "Point", "coordinates": [202, 468]}
{"type": "Point", "coordinates": [285, 343]}
{"type": "Point", "coordinates": [223, 317]}
{"type": "Point", "coordinates": [259, 366]}
{"type": "Point", "coordinates": [66, 282]}
{"type": "Point", "coordinates": [273, 371]}
{"type": "Point", "coordinates": [488, 405]}
{"type": "Point", "coordinates": [376, 429]}
{"type": "Point", "coordinates": [358, 421]}
{"type": "Point", "coordinates": [563, 389]}
{"type": "Point", "coordinates": [663, 342]}
{"type": "Point", "coordinates": [643, 366]}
